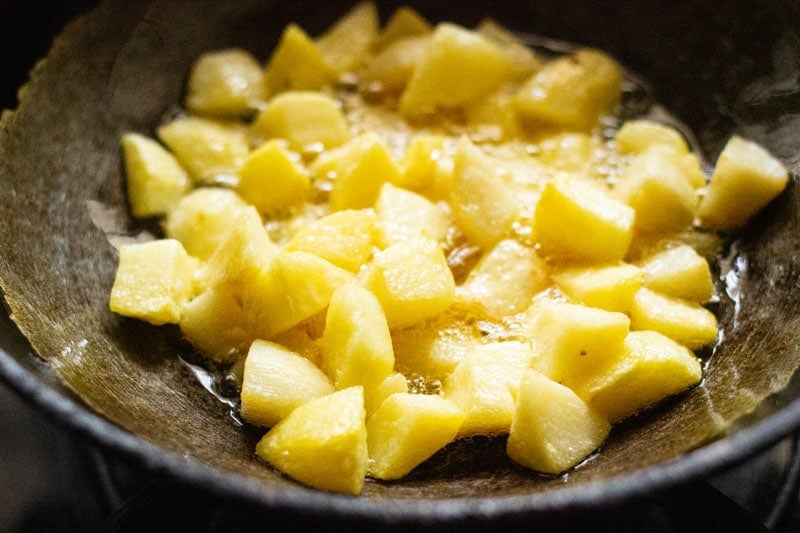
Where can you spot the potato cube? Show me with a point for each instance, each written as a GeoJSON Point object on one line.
{"type": "Point", "coordinates": [484, 205]}
{"type": "Point", "coordinates": [637, 136]}
{"type": "Point", "coordinates": [273, 179]}
{"type": "Point", "coordinates": [360, 170]}
{"type": "Point", "coordinates": [304, 119]}
{"type": "Point", "coordinates": [227, 83]}
{"type": "Point", "coordinates": [458, 67]}
{"type": "Point", "coordinates": [412, 282]}
{"type": "Point", "coordinates": [656, 186]}
{"type": "Point", "coordinates": [294, 287]}
{"type": "Point", "coordinates": [427, 166]}
{"type": "Point", "coordinates": [322, 444]}
{"type": "Point", "coordinates": [552, 429]}
{"type": "Point", "coordinates": [390, 70]}
{"type": "Point", "coordinates": [684, 322]}
{"type": "Point", "coordinates": [154, 280]}
{"type": "Point", "coordinates": [404, 215]}
{"type": "Point", "coordinates": [356, 344]}
{"type": "Point", "coordinates": [212, 151]}
{"type": "Point", "coordinates": [156, 181]}
{"type": "Point", "coordinates": [484, 386]}
{"type": "Point", "coordinates": [375, 395]}
{"type": "Point", "coordinates": [505, 280]}
{"type": "Point", "coordinates": [680, 272]}
{"type": "Point", "coordinates": [277, 381]}
{"type": "Point", "coordinates": [344, 238]}
{"type": "Point", "coordinates": [296, 64]}
{"type": "Point", "coordinates": [609, 287]}
{"type": "Point", "coordinates": [746, 178]}
{"type": "Point", "coordinates": [573, 341]}
{"type": "Point", "coordinates": [345, 44]}
{"type": "Point", "coordinates": [570, 92]}
{"type": "Point", "coordinates": [576, 220]}
{"type": "Point", "coordinates": [522, 60]}
{"type": "Point", "coordinates": [434, 348]}
{"type": "Point", "coordinates": [406, 430]}
{"type": "Point", "coordinates": [243, 254]}
{"type": "Point", "coordinates": [203, 219]}
{"type": "Point", "coordinates": [652, 367]}
{"type": "Point", "coordinates": [404, 23]}
{"type": "Point", "coordinates": [214, 323]}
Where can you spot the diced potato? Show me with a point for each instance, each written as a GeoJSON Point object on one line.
{"type": "Point", "coordinates": [609, 287]}
{"type": "Point", "coordinates": [484, 386]}
{"type": "Point", "coordinates": [322, 444]}
{"type": "Point", "coordinates": [412, 282]}
{"type": "Point", "coordinates": [458, 67]}
{"type": "Point", "coordinates": [154, 280]}
{"type": "Point", "coordinates": [685, 322]}
{"type": "Point", "coordinates": [636, 136]}
{"type": "Point", "coordinates": [214, 323]}
{"type": "Point", "coordinates": [505, 280]}
{"type": "Point", "coordinates": [434, 348]}
{"type": "Point", "coordinates": [304, 120]}
{"type": "Point", "coordinates": [404, 23]}
{"type": "Point", "coordinates": [522, 59]}
{"type": "Point", "coordinates": [294, 287]}
{"type": "Point", "coordinates": [484, 206]}
{"type": "Point", "coordinates": [656, 186]}
{"type": "Point", "coordinates": [156, 181]}
{"type": "Point", "coordinates": [404, 215]}
{"type": "Point", "coordinates": [277, 381]}
{"type": "Point", "coordinates": [652, 367]}
{"type": "Point", "coordinates": [296, 64]}
{"type": "Point", "coordinates": [390, 70]}
{"type": "Point", "coordinates": [552, 429]}
{"type": "Point", "coordinates": [272, 179]}
{"type": "Point", "coordinates": [226, 83]}
{"type": "Point", "coordinates": [427, 166]}
{"type": "Point", "coordinates": [243, 254]}
{"type": "Point", "coordinates": [576, 220]}
{"type": "Point", "coordinates": [406, 430]}
{"type": "Point", "coordinates": [679, 271]}
{"type": "Point", "coordinates": [203, 219]}
{"type": "Point", "coordinates": [360, 170]}
{"type": "Point", "coordinates": [574, 341]}
{"type": "Point", "coordinates": [210, 150]}
{"type": "Point", "coordinates": [571, 92]}
{"type": "Point", "coordinates": [746, 178]}
{"type": "Point", "coordinates": [357, 346]}
{"type": "Point", "coordinates": [345, 44]}
{"type": "Point", "coordinates": [375, 395]}
{"type": "Point", "coordinates": [344, 238]}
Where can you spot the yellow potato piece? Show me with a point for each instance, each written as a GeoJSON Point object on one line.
{"type": "Point", "coordinates": [296, 64]}
{"type": "Point", "coordinates": [403, 23]}
{"type": "Point", "coordinates": [344, 238]}
{"type": "Point", "coordinates": [357, 346]}
{"type": "Point", "coordinates": [685, 322]}
{"type": "Point", "coordinates": [225, 83]}
{"type": "Point", "coordinates": [404, 215]}
{"type": "Point", "coordinates": [651, 367]}
{"type": "Point", "coordinates": [458, 67]}
{"type": "Point", "coordinates": [679, 271]}
{"type": "Point", "coordinates": [406, 430]}
{"type": "Point", "coordinates": [636, 136]}
{"type": "Point", "coordinates": [552, 429]}
{"type": "Point", "coordinates": [411, 281]}
{"type": "Point", "coordinates": [322, 444]}
{"type": "Point", "coordinates": [375, 395]}
{"type": "Point", "coordinates": [214, 323]}
{"type": "Point", "coordinates": [153, 281]}
{"type": "Point", "coordinates": [345, 44]}
{"type": "Point", "coordinates": [609, 287]}
{"type": "Point", "coordinates": [745, 179]}
{"type": "Point", "coordinates": [155, 180]}
{"type": "Point", "coordinates": [304, 119]}
{"type": "Point", "coordinates": [272, 179]}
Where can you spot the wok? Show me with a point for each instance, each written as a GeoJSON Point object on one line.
{"type": "Point", "coordinates": [722, 68]}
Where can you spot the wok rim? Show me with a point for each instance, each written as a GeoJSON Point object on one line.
{"type": "Point", "coordinates": [72, 414]}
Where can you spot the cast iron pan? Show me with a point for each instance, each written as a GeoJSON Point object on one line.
{"type": "Point", "coordinates": [720, 67]}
